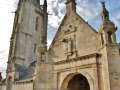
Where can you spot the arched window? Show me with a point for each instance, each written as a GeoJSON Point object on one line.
{"type": "Point", "coordinates": [36, 24]}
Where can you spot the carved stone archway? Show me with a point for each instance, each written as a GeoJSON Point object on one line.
{"type": "Point", "coordinates": [69, 77]}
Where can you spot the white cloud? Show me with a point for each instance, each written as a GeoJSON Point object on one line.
{"type": "Point", "coordinates": [6, 22]}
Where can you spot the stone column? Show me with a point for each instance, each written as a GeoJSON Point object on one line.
{"type": "Point", "coordinates": [44, 70]}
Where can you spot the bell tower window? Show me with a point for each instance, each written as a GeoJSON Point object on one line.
{"type": "Point", "coordinates": [36, 24]}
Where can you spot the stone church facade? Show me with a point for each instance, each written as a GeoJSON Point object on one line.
{"type": "Point", "coordinates": [79, 58]}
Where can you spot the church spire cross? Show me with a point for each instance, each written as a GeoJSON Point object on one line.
{"type": "Point", "coordinates": [105, 13]}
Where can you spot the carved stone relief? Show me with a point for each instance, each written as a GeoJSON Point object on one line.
{"type": "Point", "coordinates": [70, 46]}
{"type": "Point", "coordinates": [70, 42]}
{"type": "Point", "coordinates": [70, 29]}
{"type": "Point", "coordinates": [115, 75]}
{"type": "Point", "coordinates": [43, 39]}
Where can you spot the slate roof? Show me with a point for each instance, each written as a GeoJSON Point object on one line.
{"type": "Point", "coordinates": [24, 72]}
{"type": "Point", "coordinates": [32, 64]}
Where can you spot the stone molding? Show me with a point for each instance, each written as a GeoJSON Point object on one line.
{"type": "Point", "coordinates": [77, 59]}
{"type": "Point", "coordinates": [23, 82]}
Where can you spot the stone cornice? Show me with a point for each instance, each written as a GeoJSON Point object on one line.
{"type": "Point", "coordinates": [85, 57]}
{"type": "Point", "coordinates": [23, 82]}
{"type": "Point", "coordinates": [92, 65]}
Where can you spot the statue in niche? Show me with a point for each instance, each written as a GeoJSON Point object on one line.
{"type": "Point", "coordinates": [43, 39]}
{"type": "Point", "coordinates": [69, 45]}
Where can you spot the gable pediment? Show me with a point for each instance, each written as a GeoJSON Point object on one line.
{"type": "Point", "coordinates": [74, 37]}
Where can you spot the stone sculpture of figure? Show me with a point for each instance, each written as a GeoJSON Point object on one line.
{"type": "Point", "coordinates": [43, 39]}
{"type": "Point", "coordinates": [70, 45]}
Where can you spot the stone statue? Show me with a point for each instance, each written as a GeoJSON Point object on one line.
{"type": "Point", "coordinates": [70, 45]}
{"type": "Point", "coordinates": [43, 39]}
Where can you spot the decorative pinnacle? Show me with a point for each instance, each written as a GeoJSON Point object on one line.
{"type": "Point", "coordinates": [105, 13]}
{"type": "Point", "coordinates": [45, 5]}
{"type": "Point", "coordinates": [103, 5]}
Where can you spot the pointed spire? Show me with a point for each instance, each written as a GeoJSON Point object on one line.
{"type": "Point", "coordinates": [105, 13]}
{"type": "Point", "coordinates": [45, 5]}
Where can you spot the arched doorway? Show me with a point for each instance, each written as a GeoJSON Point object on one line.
{"type": "Point", "coordinates": [78, 82]}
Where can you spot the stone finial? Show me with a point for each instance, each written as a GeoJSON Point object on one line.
{"type": "Point", "coordinates": [1, 76]}
{"type": "Point", "coordinates": [105, 13]}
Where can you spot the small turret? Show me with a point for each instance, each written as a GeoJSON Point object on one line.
{"type": "Point", "coordinates": [107, 29]}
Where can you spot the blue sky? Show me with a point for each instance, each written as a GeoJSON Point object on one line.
{"type": "Point", "coordinates": [89, 10]}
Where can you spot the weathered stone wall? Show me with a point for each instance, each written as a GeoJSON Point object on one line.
{"type": "Point", "coordinates": [84, 39]}
{"type": "Point", "coordinates": [86, 67]}
{"type": "Point", "coordinates": [114, 66]}
{"type": "Point", "coordinates": [28, 37]}
{"type": "Point", "coordinates": [2, 87]}
{"type": "Point", "coordinates": [25, 86]}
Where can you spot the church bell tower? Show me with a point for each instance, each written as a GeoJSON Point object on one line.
{"type": "Point", "coordinates": [29, 31]}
